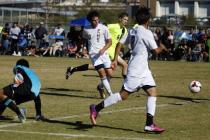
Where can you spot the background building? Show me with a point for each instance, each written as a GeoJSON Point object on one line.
{"type": "Point", "coordinates": [197, 8]}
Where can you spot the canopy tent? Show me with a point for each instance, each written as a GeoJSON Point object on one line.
{"type": "Point", "coordinates": [183, 35]}
{"type": "Point", "coordinates": [79, 22]}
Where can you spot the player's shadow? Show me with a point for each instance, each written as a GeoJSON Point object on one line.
{"type": "Point", "coordinates": [194, 100]}
{"type": "Point", "coordinates": [53, 92]}
{"type": "Point", "coordinates": [67, 95]}
{"type": "Point", "coordinates": [79, 125]}
{"type": "Point", "coordinates": [3, 118]}
{"type": "Point", "coordinates": [63, 89]}
{"type": "Point", "coordinates": [92, 75]}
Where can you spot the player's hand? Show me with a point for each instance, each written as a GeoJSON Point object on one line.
{"type": "Point", "coordinates": [18, 79]}
{"type": "Point", "coordinates": [114, 65]}
{"type": "Point", "coordinates": [102, 51]}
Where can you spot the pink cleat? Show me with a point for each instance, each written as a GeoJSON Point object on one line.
{"type": "Point", "coordinates": [93, 114]}
{"type": "Point", "coordinates": [153, 128]}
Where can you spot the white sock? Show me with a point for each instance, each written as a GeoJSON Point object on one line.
{"type": "Point", "coordinates": [151, 105]}
{"type": "Point", "coordinates": [101, 84]}
{"type": "Point", "coordinates": [106, 85]}
{"type": "Point", "coordinates": [112, 99]}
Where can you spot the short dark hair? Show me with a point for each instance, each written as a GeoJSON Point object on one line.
{"type": "Point", "coordinates": [123, 14]}
{"type": "Point", "coordinates": [92, 14]}
{"type": "Point", "coordinates": [23, 62]}
{"type": "Point", "coordinates": [142, 15]}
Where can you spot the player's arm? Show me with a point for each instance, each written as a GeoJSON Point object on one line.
{"type": "Point", "coordinates": [153, 45]}
{"type": "Point", "coordinates": [117, 50]}
{"type": "Point", "coordinates": [107, 45]}
{"type": "Point", "coordinates": [160, 48]}
{"type": "Point", "coordinates": [122, 41]}
{"type": "Point", "coordinates": [18, 79]}
{"type": "Point", "coordinates": [108, 39]}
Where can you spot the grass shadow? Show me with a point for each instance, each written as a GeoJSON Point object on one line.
{"type": "Point", "coordinates": [194, 100]}
{"type": "Point", "coordinates": [79, 125]}
{"type": "Point", "coordinates": [68, 95]}
{"type": "Point", "coordinates": [63, 89]}
{"type": "Point", "coordinates": [92, 75]}
{"type": "Point", "coordinates": [3, 118]}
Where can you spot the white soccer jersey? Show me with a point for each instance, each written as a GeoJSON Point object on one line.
{"type": "Point", "coordinates": [142, 41]}
{"type": "Point", "coordinates": [58, 31]}
{"type": "Point", "coordinates": [96, 37]}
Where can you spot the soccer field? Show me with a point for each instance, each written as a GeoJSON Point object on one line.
{"type": "Point", "coordinates": [184, 115]}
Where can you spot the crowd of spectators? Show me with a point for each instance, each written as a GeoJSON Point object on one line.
{"type": "Point", "coordinates": [19, 40]}
{"type": "Point", "coordinates": [189, 46]}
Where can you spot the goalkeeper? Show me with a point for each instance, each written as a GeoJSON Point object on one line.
{"type": "Point", "coordinates": [26, 87]}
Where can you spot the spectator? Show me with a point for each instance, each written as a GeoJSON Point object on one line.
{"type": "Point", "coordinates": [5, 38]}
{"type": "Point", "coordinates": [40, 34]}
{"type": "Point", "coordinates": [196, 52]}
{"type": "Point", "coordinates": [14, 34]}
{"type": "Point", "coordinates": [27, 32]}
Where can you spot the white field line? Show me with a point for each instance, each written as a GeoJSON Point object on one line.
{"type": "Point", "coordinates": [74, 135]}
{"type": "Point", "coordinates": [87, 114]}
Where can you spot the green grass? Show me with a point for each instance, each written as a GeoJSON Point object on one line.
{"type": "Point", "coordinates": [184, 115]}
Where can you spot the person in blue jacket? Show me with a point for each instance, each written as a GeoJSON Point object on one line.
{"type": "Point", "coordinates": [26, 87]}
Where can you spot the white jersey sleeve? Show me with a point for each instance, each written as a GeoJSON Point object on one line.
{"type": "Point", "coordinates": [151, 41]}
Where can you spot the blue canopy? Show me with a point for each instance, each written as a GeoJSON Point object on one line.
{"type": "Point", "coordinates": [182, 35]}
{"type": "Point", "coordinates": [79, 22]}
{"type": "Point", "coordinates": [56, 37]}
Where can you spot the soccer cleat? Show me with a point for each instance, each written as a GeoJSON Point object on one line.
{"type": "Point", "coordinates": [101, 92]}
{"type": "Point", "coordinates": [40, 118]}
{"type": "Point", "coordinates": [22, 116]}
{"type": "Point", "coordinates": [69, 72]}
{"type": "Point", "coordinates": [153, 128]}
{"type": "Point", "coordinates": [93, 114]}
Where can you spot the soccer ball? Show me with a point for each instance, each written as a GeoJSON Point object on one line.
{"type": "Point", "coordinates": [195, 86]}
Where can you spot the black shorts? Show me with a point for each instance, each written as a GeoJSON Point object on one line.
{"type": "Point", "coordinates": [99, 66]}
{"type": "Point", "coordinates": [19, 94]}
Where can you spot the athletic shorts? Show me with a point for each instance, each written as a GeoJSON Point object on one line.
{"type": "Point", "coordinates": [133, 84]}
{"type": "Point", "coordinates": [101, 59]}
{"type": "Point", "coordinates": [19, 94]}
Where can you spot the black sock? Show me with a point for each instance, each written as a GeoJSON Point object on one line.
{"type": "Point", "coordinates": [124, 76]}
{"type": "Point", "coordinates": [149, 120]}
{"type": "Point", "coordinates": [2, 108]}
{"type": "Point", "coordinates": [99, 106]}
{"type": "Point", "coordinates": [81, 68]}
{"type": "Point", "coordinates": [37, 102]}
{"type": "Point", "coordinates": [9, 103]}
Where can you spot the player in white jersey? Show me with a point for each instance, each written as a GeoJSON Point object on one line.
{"type": "Point", "coordinates": [117, 31]}
{"type": "Point", "coordinates": [138, 75]}
{"type": "Point", "coordinates": [99, 40]}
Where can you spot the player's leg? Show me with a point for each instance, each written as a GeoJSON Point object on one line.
{"type": "Point", "coordinates": [105, 63]}
{"type": "Point", "coordinates": [123, 65]}
{"type": "Point", "coordinates": [103, 76]}
{"type": "Point", "coordinates": [6, 100]}
{"type": "Point", "coordinates": [2, 108]}
{"type": "Point", "coordinates": [112, 99]}
{"type": "Point", "coordinates": [130, 86]}
{"type": "Point", "coordinates": [100, 86]}
{"type": "Point", "coordinates": [84, 67]}
{"type": "Point", "coordinates": [39, 115]}
{"type": "Point", "coordinates": [150, 89]}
